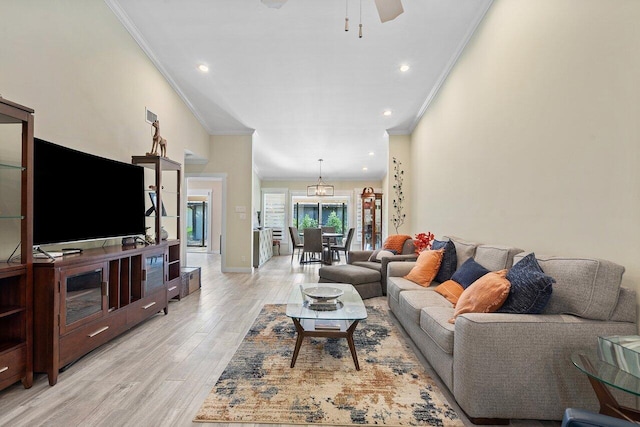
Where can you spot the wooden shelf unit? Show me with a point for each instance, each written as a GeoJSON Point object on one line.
{"type": "Point", "coordinates": [81, 301]}
{"type": "Point", "coordinates": [371, 219]}
{"type": "Point", "coordinates": [169, 172]}
{"type": "Point", "coordinates": [16, 281]}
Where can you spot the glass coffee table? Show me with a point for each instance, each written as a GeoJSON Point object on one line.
{"type": "Point", "coordinates": [330, 310]}
{"type": "Point", "coordinates": [601, 373]}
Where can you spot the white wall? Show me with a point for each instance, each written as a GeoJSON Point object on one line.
{"type": "Point", "coordinates": [534, 139]}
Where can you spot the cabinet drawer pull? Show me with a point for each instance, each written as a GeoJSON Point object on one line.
{"type": "Point", "coordinates": [99, 331]}
{"type": "Point", "coordinates": [172, 288]}
{"type": "Point", "coordinates": [148, 305]}
{"type": "Point", "coordinates": [3, 369]}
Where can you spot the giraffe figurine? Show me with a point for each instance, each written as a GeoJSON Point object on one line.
{"type": "Point", "coordinates": [158, 141]}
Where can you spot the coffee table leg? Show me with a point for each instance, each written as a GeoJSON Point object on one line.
{"type": "Point", "coordinates": [299, 338]}
{"type": "Point", "coordinates": [352, 346]}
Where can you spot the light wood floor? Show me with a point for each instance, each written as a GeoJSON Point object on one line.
{"type": "Point", "coordinates": [159, 373]}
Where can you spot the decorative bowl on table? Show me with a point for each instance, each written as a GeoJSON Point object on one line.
{"type": "Point", "coordinates": [323, 293]}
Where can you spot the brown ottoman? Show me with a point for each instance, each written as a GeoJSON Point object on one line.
{"type": "Point", "coordinates": [365, 280]}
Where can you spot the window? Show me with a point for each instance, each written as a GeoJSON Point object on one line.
{"type": "Point", "coordinates": [314, 212]}
{"type": "Point", "coordinates": [274, 212]}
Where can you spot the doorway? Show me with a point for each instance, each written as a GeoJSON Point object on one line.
{"type": "Point", "coordinates": [197, 230]}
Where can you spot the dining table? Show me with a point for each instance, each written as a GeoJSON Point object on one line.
{"type": "Point", "coordinates": [329, 238]}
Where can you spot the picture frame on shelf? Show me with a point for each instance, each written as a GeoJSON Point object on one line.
{"type": "Point", "coordinates": [152, 209]}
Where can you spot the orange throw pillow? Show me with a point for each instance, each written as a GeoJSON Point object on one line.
{"type": "Point", "coordinates": [426, 268]}
{"type": "Point", "coordinates": [451, 290]}
{"type": "Point", "coordinates": [395, 242]}
{"type": "Point", "coordinates": [485, 295]}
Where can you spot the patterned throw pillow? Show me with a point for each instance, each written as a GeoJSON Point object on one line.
{"type": "Point", "coordinates": [531, 288]}
{"type": "Point", "coordinates": [485, 295]}
{"type": "Point", "coordinates": [426, 267]}
{"type": "Point", "coordinates": [449, 260]}
{"type": "Point", "coordinates": [469, 272]}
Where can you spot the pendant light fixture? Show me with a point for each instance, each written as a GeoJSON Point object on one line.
{"type": "Point", "coordinates": [320, 189]}
{"type": "Point", "coordinates": [346, 16]}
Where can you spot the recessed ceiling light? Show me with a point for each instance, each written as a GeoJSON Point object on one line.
{"type": "Point", "coordinates": [203, 68]}
{"type": "Point", "coordinates": [387, 112]}
{"type": "Point", "coordinates": [404, 68]}
{"type": "Point", "coordinates": [371, 153]}
{"type": "Point", "coordinates": [365, 168]}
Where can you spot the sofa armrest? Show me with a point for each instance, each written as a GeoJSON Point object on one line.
{"type": "Point", "coordinates": [516, 359]}
{"type": "Point", "coordinates": [399, 269]}
{"type": "Point", "coordinates": [353, 256]}
{"type": "Point", "coordinates": [384, 266]}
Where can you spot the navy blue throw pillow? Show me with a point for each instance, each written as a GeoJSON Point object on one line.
{"type": "Point", "coordinates": [469, 272]}
{"type": "Point", "coordinates": [449, 260]}
{"type": "Point", "coordinates": [530, 287]}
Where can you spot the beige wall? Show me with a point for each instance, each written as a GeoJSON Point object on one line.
{"type": "Point", "coordinates": [230, 157]}
{"type": "Point", "coordinates": [534, 139]}
{"type": "Point", "coordinates": [89, 82]}
{"type": "Point", "coordinates": [400, 149]}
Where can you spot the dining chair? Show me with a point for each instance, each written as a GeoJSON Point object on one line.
{"type": "Point", "coordinates": [346, 244]}
{"type": "Point", "coordinates": [295, 241]}
{"type": "Point", "coordinates": [312, 246]}
{"type": "Point", "coordinates": [329, 229]}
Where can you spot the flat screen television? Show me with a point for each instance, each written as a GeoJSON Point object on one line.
{"type": "Point", "coordinates": [79, 196]}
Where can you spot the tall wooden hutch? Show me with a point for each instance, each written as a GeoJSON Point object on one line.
{"type": "Point", "coordinates": [371, 204]}
{"type": "Point", "coordinates": [16, 229]}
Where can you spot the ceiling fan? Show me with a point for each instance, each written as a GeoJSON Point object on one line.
{"type": "Point", "coordinates": [387, 9]}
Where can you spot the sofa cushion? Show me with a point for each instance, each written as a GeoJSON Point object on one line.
{"type": "Point", "coordinates": [426, 267]}
{"type": "Point", "coordinates": [464, 249]}
{"type": "Point", "coordinates": [585, 287]}
{"type": "Point", "coordinates": [450, 290]}
{"type": "Point", "coordinates": [396, 285]}
{"type": "Point", "coordinates": [434, 322]}
{"type": "Point", "coordinates": [367, 264]}
{"type": "Point", "coordinates": [469, 272]}
{"type": "Point", "coordinates": [449, 260]}
{"type": "Point", "coordinates": [495, 257]}
{"type": "Point", "coordinates": [347, 273]}
{"type": "Point", "coordinates": [411, 302]}
{"type": "Point", "coordinates": [530, 288]}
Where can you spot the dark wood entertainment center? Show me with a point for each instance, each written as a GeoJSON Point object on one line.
{"type": "Point", "coordinates": [54, 311]}
{"type": "Point", "coordinates": [81, 301]}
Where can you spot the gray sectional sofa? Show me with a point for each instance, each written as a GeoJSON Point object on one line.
{"type": "Point", "coordinates": [501, 366]}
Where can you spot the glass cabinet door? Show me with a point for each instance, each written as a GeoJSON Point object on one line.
{"type": "Point", "coordinates": [83, 295]}
{"type": "Point", "coordinates": [371, 219]}
{"type": "Point", "coordinates": [154, 276]}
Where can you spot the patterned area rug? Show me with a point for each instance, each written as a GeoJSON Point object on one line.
{"type": "Point", "coordinates": [392, 387]}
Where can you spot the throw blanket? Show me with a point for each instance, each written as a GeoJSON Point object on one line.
{"type": "Point", "coordinates": [395, 242]}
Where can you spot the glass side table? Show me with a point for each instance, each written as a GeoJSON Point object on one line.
{"type": "Point", "coordinates": [602, 374]}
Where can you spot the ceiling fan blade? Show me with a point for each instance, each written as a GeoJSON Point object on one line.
{"type": "Point", "coordinates": [389, 9]}
{"type": "Point", "coordinates": [276, 4]}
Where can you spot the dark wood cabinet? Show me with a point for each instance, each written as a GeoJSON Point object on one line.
{"type": "Point", "coordinates": [371, 219]}
{"type": "Point", "coordinates": [16, 229]}
{"type": "Point", "coordinates": [81, 301]}
{"type": "Point", "coordinates": [163, 181]}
